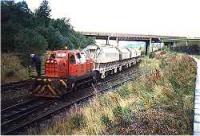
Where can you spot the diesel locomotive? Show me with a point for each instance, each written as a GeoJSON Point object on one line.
{"type": "Point", "coordinates": [66, 69]}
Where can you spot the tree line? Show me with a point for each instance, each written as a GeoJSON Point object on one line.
{"type": "Point", "coordinates": [191, 47]}
{"type": "Point", "coordinates": [25, 32]}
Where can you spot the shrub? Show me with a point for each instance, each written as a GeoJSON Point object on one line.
{"type": "Point", "coordinates": [124, 91]}
{"type": "Point", "coordinates": [77, 121]}
{"type": "Point", "coordinates": [105, 120]}
{"type": "Point", "coordinates": [104, 100]}
{"type": "Point", "coordinates": [151, 55]}
{"type": "Point", "coordinates": [122, 115]}
{"type": "Point", "coordinates": [11, 69]}
{"type": "Point", "coordinates": [192, 47]}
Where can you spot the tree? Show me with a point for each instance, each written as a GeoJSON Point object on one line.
{"type": "Point", "coordinates": [8, 35]}
{"type": "Point", "coordinates": [44, 12]}
{"type": "Point", "coordinates": [63, 25]}
{"type": "Point", "coordinates": [55, 39]}
{"type": "Point", "coordinates": [29, 41]}
{"type": "Point", "coordinates": [74, 39]}
{"type": "Point", "coordinates": [26, 32]}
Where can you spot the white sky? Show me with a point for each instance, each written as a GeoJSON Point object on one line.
{"type": "Point", "coordinates": [163, 17]}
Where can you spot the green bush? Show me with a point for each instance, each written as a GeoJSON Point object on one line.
{"type": "Point", "coordinates": [122, 115]}
{"type": "Point", "coordinates": [11, 69]}
{"type": "Point", "coordinates": [77, 121]}
{"type": "Point", "coordinates": [105, 120]}
{"type": "Point", "coordinates": [124, 91]}
{"type": "Point", "coordinates": [29, 41]}
{"type": "Point", "coordinates": [192, 47]}
{"type": "Point", "coordinates": [152, 55]}
{"type": "Point", "coordinates": [104, 100]}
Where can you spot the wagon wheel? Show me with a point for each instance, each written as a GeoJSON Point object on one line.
{"type": "Point", "coordinates": [95, 77]}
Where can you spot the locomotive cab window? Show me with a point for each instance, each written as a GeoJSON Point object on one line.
{"type": "Point", "coordinates": [52, 56]}
{"type": "Point", "coordinates": [78, 55]}
{"type": "Point", "coordinates": [72, 59]}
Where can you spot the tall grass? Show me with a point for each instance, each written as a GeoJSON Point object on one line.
{"type": "Point", "coordinates": [11, 68]}
{"type": "Point", "coordinates": [158, 103]}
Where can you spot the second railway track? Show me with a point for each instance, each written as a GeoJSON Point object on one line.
{"type": "Point", "coordinates": [12, 116]}
{"type": "Point", "coordinates": [15, 85]}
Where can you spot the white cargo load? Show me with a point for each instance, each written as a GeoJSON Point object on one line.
{"type": "Point", "coordinates": [111, 59]}
{"type": "Point", "coordinates": [102, 53]}
{"type": "Point", "coordinates": [138, 52]}
{"type": "Point", "coordinates": [107, 54]}
{"type": "Point", "coordinates": [124, 53]}
{"type": "Point", "coordinates": [133, 52]}
{"type": "Point", "coordinates": [90, 51]}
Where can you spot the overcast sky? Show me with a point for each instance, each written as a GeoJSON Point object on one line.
{"type": "Point", "coordinates": [164, 17]}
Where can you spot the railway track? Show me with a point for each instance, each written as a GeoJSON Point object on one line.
{"type": "Point", "coordinates": [13, 93]}
{"type": "Point", "coordinates": [16, 118]}
{"type": "Point", "coordinates": [12, 116]}
{"type": "Point", "coordinates": [15, 85]}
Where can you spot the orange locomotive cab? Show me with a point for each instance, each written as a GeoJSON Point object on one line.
{"type": "Point", "coordinates": [78, 65]}
{"type": "Point", "coordinates": [63, 70]}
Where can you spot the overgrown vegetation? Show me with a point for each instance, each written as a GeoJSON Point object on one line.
{"type": "Point", "coordinates": [189, 47]}
{"type": "Point", "coordinates": [158, 103]}
{"type": "Point", "coordinates": [11, 68]}
{"type": "Point", "coordinates": [25, 32]}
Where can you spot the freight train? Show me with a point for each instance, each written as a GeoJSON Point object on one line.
{"type": "Point", "coordinates": [111, 59]}
{"type": "Point", "coordinates": [66, 69]}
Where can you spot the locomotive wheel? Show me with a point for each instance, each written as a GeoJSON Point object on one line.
{"type": "Point", "coordinates": [72, 86]}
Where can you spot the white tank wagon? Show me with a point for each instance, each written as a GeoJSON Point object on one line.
{"type": "Point", "coordinates": [135, 53]}
{"type": "Point", "coordinates": [138, 52]}
{"type": "Point", "coordinates": [124, 53]}
{"type": "Point", "coordinates": [107, 54]}
{"type": "Point", "coordinates": [111, 59]}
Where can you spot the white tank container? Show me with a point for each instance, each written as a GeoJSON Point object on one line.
{"type": "Point", "coordinates": [90, 51]}
{"type": "Point", "coordinates": [124, 52]}
{"type": "Point", "coordinates": [102, 53]}
{"type": "Point", "coordinates": [138, 52]}
{"type": "Point", "coordinates": [133, 52]}
{"type": "Point", "coordinates": [107, 54]}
